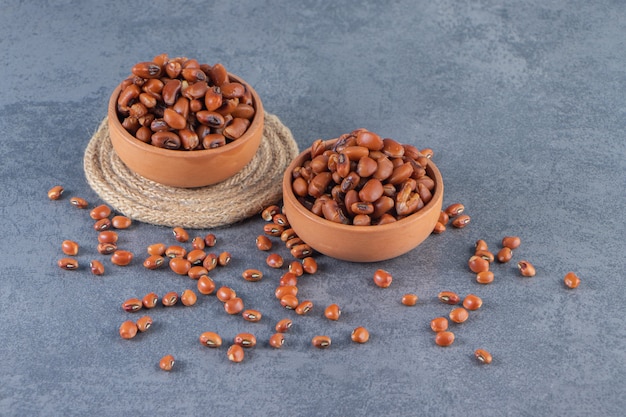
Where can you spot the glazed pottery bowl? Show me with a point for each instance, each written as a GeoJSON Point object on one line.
{"type": "Point", "coordinates": [181, 168]}
{"type": "Point", "coordinates": [361, 243]}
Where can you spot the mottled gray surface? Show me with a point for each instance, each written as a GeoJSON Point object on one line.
{"type": "Point", "coordinates": [523, 103]}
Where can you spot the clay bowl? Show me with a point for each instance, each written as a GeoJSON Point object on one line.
{"type": "Point", "coordinates": [187, 169]}
{"type": "Point", "coordinates": [361, 243]}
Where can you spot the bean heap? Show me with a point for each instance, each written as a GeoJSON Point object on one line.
{"type": "Point", "coordinates": [363, 179]}
{"type": "Point", "coordinates": [179, 103]}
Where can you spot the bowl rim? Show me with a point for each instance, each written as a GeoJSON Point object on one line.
{"type": "Point", "coordinates": [288, 192]}
{"type": "Point", "coordinates": [258, 119]}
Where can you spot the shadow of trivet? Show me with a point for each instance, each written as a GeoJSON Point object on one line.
{"type": "Point", "coordinates": [256, 186]}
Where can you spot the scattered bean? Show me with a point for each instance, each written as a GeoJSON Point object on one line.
{"type": "Point", "coordinates": [225, 293]}
{"type": "Point", "coordinates": [504, 255]}
{"type": "Point", "coordinates": [235, 353]}
{"type": "Point", "coordinates": [459, 315]}
{"type": "Point", "coordinates": [332, 312]}
{"type": "Point", "coordinates": [252, 315]}
{"type": "Point", "coordinates": [180, 234]}
{"type": "Point", "coordinates": [309, 265]}
{"type": "Point", "coordinates": [289, 301]}
{"type": "Point", "coordinates": [69, 247]}
{"type": "Point", "coordinates": [481, 245]}
{"type": "Point", "coordinates": [96, 267]}
{"type": "Point", "coordinates": [472, 302]}
{"type": "Point", "coordinates": [246, 340]}
{"type": "Point", "coordinates": [211, 339]}
{"type": "Point", "coordinates": [234, 305]}
{"type": "Point", "coordinates": [277, 340]}
{"type": "Point", "coordinates": [483, 356]}
{"type": "Point", "coordinates": [283, 325]}
{"type": "Point", "coordinates": [485, 277]}
{"type": "Point", "coordinates": [444, 338]}
{"type": "Point", "coordinates": [170, 299]}
{"type": "Point", "coordinates": [153, 262]}
{"type": "Point", "coordinates": [167, 363]}
{"type": "Point", "coordinates": [55, 192]}
{"type": "Point", "coordinates": [144, 323]}
{"type": "Point", "coordinates": [274, 260]}
{"type": "Point", "coordinates": [102, 224]}
{"type": "Point", "coordinates": [571, 280]}
{"type": "Point", "coordinates": [409, 299]}
{"type": "Point", "coordinates": [100, 212]}
{"type": "Point", "coordinates": [511, 242]}
{"type": "Point", "coordinates": [526, 269]}
{"type": "Point", "coordinates": [296, 268]}
{"type": "Point", "coordinates": [281, 291]}
{"type": "Point", "coordinates": [180, 266]}
{"type": "Point", "coordinates": [461, 221]}
{"type": "Point", "coordinates": [157, 249]}
{"type": "Point", "coordinates": [128, 329]}
{"type": "Point", "coordinates": [359, 335]}
{"type": "Point", "coordinates": [477, 264]}
{"type": "Point", "coordinates": [252, 275]}
{"type": "Point", "coordinates": [210, 240]}
{"type": "Point", "coordinates": [69, 264]}
{"type": "Point", "coordinates": [321, 342]}
{"type": "Point", "coordinates": [205, 285]}
{"type": "Point", "coordinates": [121, 222]}
{"type": "Point", "coordinates": [382, 278]}
{"type": "Point", "coordinates": [439, 324]}
{"type": "Point", "coordinates": [78, 202]}
{"type": "Point", "coordinates": [449, 297]}
{"type": "Point", "coordinates": [304, 307]}
{"type": "Point", "coordinates": [224, 259]}
{"type": "Point", "coordinates": [188, 298]}
{"type": "Point", "coordinates": [454, 210]}
{"type": "Point", "coordinates": [106, 248]}
{"type": "Point", "coordinates": [263, 243]}
{"type": "Point", "coordinates": [150, 300]}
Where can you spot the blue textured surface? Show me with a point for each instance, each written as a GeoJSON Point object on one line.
{"type": "Point", "coordinates": [524, 105]}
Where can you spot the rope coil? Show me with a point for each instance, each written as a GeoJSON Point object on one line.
{"type": "Point", "coordinates": [256, 186]}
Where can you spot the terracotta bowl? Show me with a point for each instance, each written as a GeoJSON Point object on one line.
{"type": "Point", "coordinates": [361, 243]}
{"type": "Point", "coordinates": [187, 169]}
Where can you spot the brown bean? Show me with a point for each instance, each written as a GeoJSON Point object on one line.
{"type": "Point", "coordinates": [443, 218]}
{"type": "Point", "coordinates": [100, 212]}
{"type": "Point", "coordinates": [444, 338]}
{"type": "Point", "coordinates": [107, 236]}
{"type": "Point", "coordinates": [288, 279]}
{"type": "Point", "coordinates": [301, 251]}
{"type": "Point", "coordinates": [504, 255]}
{"type": "Point", "coordinates": [332, 312]}
{"type": "Point", "coordinates": [146, 70]}
{"type": "Point", "coordinates": [166, 363]}
{"type": "Point", "coordinates": [102, 224]}
{"type": "Point", "coordinates": [252, 315]}
{"type": "Point", "coordinates": [210, 240]}
{"type": "Point", "coordinates": [188, 298]}
{"type": "Point", "coordinates": [461, 221]}
{"type": "Point", "coordinates": [454, 210]}
{"type": "Point", "coordinates": [480, 245]}
{"type": "Point", "coordinates": [360, 335]}
{"type": "Point", "coordinates": [571, 280]}
{"type": "Point", "coordinates": [225, 293]}
{"type": "Point", "coordinates": [371, 191]}
{"type": "Point", "coordinates": [439, 228]}
{"type": "Point", "coordinates": [132, 305]}
{"type": "Point", "coordinates": [309, 265]}
{"type": "Point", "coordinates": [128, 329]}
{"type": "Point", "coordinates": [96, 267]}
{"type": "Point", "coordinates": [296, 268]}
{"type": "Point", "coordinates": [263, 243]}
{"type": "Point", "coordinates": [236, 128]}
{"type": "Point", "coordinates": [274, 260]}
{"type": "Point", "coordinates": [409, 299]}
{"type": "Point", "coordinates": [382, 278]}
{"type": "Point", "coordinates": [459, 315]}
{"type": "Point", "coordinates": [283, 325]}
{"type": "Point", "coordinates": [304, 307]}
{"type": "Point", "coordinates": [144, 323]}
{"type": "Point", "coordinates": [472, 302]}
{"type": "Point", "coordinates": [211, 339]}
{"type": "Point", "coordinates": [78, 202]}
{"type": "Point", "coordinates": [384, 168]}
{"type": "Point", "coordinates": [69, 247]}
{"type": "Point", "coordinates": [170, 299]}
{"type": "Point", "coordinates": [319, 183]}
{"type": "Point", "coordinates": [526, 269]}
{"type": "Point", "coordinates": [210, 118]}
{"type": "Point", "coordinates": [55, 192]}
{"type": "Point", "coordinates": [106, 248]}
{"type": "Point", "coordinates": [127, 95]}
{"type": "Point", "coordinates": [252, 275]}
{"type": "Point", "coordinates": [205, 285]}
{"type": "Point", "coordinates": [483, 356]}
{"type": "Point", "coordinates": [235, 353]}
{"type": "Point", "coordinates": [439, 324]}
{"type": "Point", "coordinates": [210, 262]}
{"type": "Point", "coordinates": [165, 139]}
{"type": "Point", "coordinates": [175, 251]}
{"type": "Point", "coordinates": [321, 342]}
{"type": "Point", "coordinates": [486, 255]}
{"type": "Point", "coordinates": [196, 256]}
{"type": "Point", "coordinates": [478, 264]}
{"type": "Point", "coordinates": [150, 300]}
{"type": "Point", "coordinates": [68, 264]}
{"type": "Point", "coordinates": [153, 262]}
{"type": "Point", "coordinates": [272, 229]}
{"type": "Point", "coordinates": [511, 242]}
{"type": "Point", "coordinates": [246, 340]}
{"type": "Point", "coordinates": [234, 305]}
{"type": "Point", "coordinates": [484, 277]}
{"type": "Point", "coordinates": [170, 92]}
{"type": "Point", "coordinates": [180, 266]}
{"type": "Point", "coordinates": [122, 257]}
{"type": "Point", "coordinates": [370, 140]}
{"type": "Point", "coordinates": [281, 291]}
{"type": "Point", "coordinates": [277, 340]}
{"type": "Point", "coordinates": [289, 301]}
{"type": "Point", "coordinates": [224, 258]}
{"type": "Point", "coordinates": [449, 297]}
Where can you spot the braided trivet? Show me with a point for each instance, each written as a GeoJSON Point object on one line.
{"type": "Point", "coordinates": [256, 186]}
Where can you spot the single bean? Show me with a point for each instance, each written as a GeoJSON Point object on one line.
{"type": "Point", "coordinates": [170, 92]}
{"type": "Point", "coordinates": [332, 312]}
{"type": "Point", "coordinates": [235, 353]}
{"type": "Point", "coordinates": [459, 315]}
{"type": "Point", "coordinates": [170, 299]}
{"type": "Point", "coordinates": [461, 221]}
{"type": "Point", "coordinates": [165, 139]}
{"type": "Point", "coordinates": [196, 271]}
{"type": "Point", "coordinates": [454, 210]}
{"type": "Point", "coordinates": [571, 280]}
{"type": "Point", "coordinates": [382, 278]}
{"type": "Point", "coordinates": [486, 255]}
{"type": "Point", "coordinates": [225, 293]}
{"type": "Point", "coordinates": [69, 247]}
{"type": "Point", "coordinates": [483, 356]}
{"type": "Point", "coordinates": [526, 269]}
{"type": "Point", "coordinates": [180, 234]}
{"type": "Point", "coordinates": [122, 257]}
{"type": "Point", "coordinates": [485, 277]}
{"type": "Point", "coordinates": [211, 339]}
{"type": "Point", "coordinates": [504, 255]}
{"type": "Point", "coordinates": [283, 325]}
{"type": "Point", "coordinates": [234, 306]}
{"type": "Point", "coordinates": [277, 340]}
{"type": "Point", "coordinates": [444, 338]}
{"type": "Point", "coordinates": [281, 291]}
{"type": "Point", "coordinates": [321, 342]}
{"type": "Point", "coordinates": [100, 212]}
{"type": "Point", "coordinates": [274, 260]}
{"type": "Point", "coordinates": [146, 70]}
{"type": "Point", "coordinates": [157, 249]}
{"type": "Point", "coordinates": [198, 243]}
{"type": "Point", "coordinates": [205, 285]}
{"type": "Point", "coordinates": [246, 340]}
{"type": "Point", "coordinates": [268, 213]}
{"type": "Point", "coordinates": [289, 301]}
{"type": "Point", "coordinates": [196, 256]}
{"type": "Point", "coordinates": [370, 140]}
{"type": "Point", "coordinates": [180, 266]}
{"type": "Point", "coordinates": [359, 335]}
{"type": "Point", "coordinates": [55, 192]}
{"type": "Point", "coordinates": [449, 297]}
{"type": "Point", "coordinates": [188, 298]}
{"type": "Point", "coordinates": [252, 315]}
{"type": "Point", "coordinates": [107, 236]}
{"type": "Point", "coordinates": [106, 248]}
{"type": "Point", "coordinates": [102, 224]}
{"type": "Point", "coordinates": [439, 324]}
{"type": "Point", "coordinates": [150, 300]}
{"type": "Point", "coordinates": [512, 242]}
{"type": "Point", "coordinates": [477, 264]}
{"type": "Point", "coordinates": [210, 262]}
{"type": "Point", "coordinates": [409, 299]}
{"type": "Point", "coordinates": [288, 279]}
{"type": "Point", "coordinates": [296, 268]}
{"type": "Point", "coordinates": [78, 202]}
{"type": "Point", "coordinates": [252, 275]}
{"type": "Point", "coordinates": [444, 218]}
{"type": "Point", "coordinates": [480, 245]}
{"type": "Point", "coordinates": [167, 363]}
{"type": "Point", "coordinates": [371, 191]}
{"type": "Point", "coordinates": [272, 229]}
{"type": "Point", "coordinates": [175, 251]}
{"type": "Point", "coordinates": [472, 302]}
{"type": "Point", "coordinates": [439, 228]}
{"type": "Point", "coordinates": [144, 323]}
{"type": "Point", "coordinates": [301, 252]}
{"type": "Point", "coordinates": [236, 128]}
{"type": "Point", "coordinates": [128, 329]}
{"type": "Point", "coordinates": [132, 305]}
{"type": "Point", "coordinates": [304, 307]}
{"type": "Point", "coordinates": [263, 243]}
{"type": "Point", "coordinates": [96, 267]}
{"type": "Point", "coordinates": [69, 264]}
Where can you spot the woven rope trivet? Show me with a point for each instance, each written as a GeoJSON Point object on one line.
{"type": "Point", "coordinates": [256, 186]}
